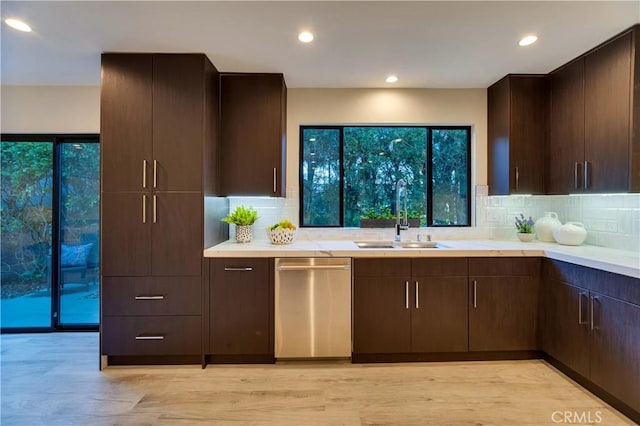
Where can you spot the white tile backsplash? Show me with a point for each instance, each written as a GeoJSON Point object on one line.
{"type": "Point", "coordinates": [611, 220]}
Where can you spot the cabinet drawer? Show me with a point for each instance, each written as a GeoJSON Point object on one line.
{"type": "Point", "coordinates": [152, 335]}
{"type": "Point", "coordinates": [373, 267]}
{"type": "Point", "coordinates": [234, 268]}
{"type": "Point", "coordinates": [439, 267]}
{"type": "Point", "coordinates": [504, 266]}
{"type": "Point", "coordinates": [151, 296]}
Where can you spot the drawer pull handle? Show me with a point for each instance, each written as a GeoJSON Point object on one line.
{"type": "Point", "coordinates": [245, 269]}
{"type": "Point", "coordinates": [160, 297]}
{"type": "Point", "coordinates": [149, 337]}
{"type": "Point", "coordinates": [475, 293]}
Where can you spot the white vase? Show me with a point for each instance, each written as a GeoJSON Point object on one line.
{"type": "Point", "coordinates": [244, 233]}
{"type": "Point", "coordinates": [545, 225]}
{"type": "Point", "coordinates": [570, 234]}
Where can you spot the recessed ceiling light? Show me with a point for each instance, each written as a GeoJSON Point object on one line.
{"type": "Point", "coordinates": [305, 37]}
{"type": "Point", "coordinates": [526, 41]}
{"type": "Point", "coordinates": [391, 79]}
{"type": "Point", "coordinates": [18, 25]}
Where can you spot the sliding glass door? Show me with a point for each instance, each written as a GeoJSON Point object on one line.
{"type": "Point", "coordinates": [26, 233]}
{"type": "Point", "coordinates": [50, 232]}
{"type": "Point", "coordinates": [78, 275]}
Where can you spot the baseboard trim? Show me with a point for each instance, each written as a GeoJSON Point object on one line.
{"type": "Point", "coordinates": [240, 359]}
{"type": "Point", "coordinates": [445, 356]}
{"type": "Point", "coordinates": [153, 359]}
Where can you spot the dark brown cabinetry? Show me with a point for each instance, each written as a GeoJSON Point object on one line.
{"type": "Point", "coordinates": [517, 113]}
{"type": "Point", "coordinates": [566, 134]}
{"type": "Point", "coordinates": [253, 128]}
{"type": "Point", "coordinates": [503, 304]}
{"type": "Point", "coordinates": [591, 325]}
{"type": "Point", "coordinates": [156, 126]}
{"type": "Point", "coordinates": [409, 305]}
{"type": "Point", "coordinates": [594, 143]}
{"type": "Point", "coordinates": [241, 310]}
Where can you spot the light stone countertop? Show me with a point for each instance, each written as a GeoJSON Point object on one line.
{"type": "Point", "coordinates": [612, 260]}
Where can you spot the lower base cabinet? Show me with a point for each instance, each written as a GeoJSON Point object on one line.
{"type": "Point", "coordinates": [405, 306]}
{"type": "Point", "coordinates": [503, 304]}
{"type": "Point", "coordinates": [592, 334]}
{"type": "Point", "coordinates": [241, 309]}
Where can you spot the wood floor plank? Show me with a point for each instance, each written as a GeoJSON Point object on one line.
{"type": "Point", "coordinates": [53, 379]}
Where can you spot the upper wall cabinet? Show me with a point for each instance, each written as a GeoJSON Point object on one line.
{"type": "Point", "coordinates": [252, 134]}
{"type": "Point", "coordinates": [566, 124]}
{"type": "Point", "coordinates": [594, 137]}
{"type": "Point", "coordinates": [517, 129]}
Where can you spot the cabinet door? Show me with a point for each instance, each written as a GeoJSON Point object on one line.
{"type": "Point", "coordinates": [607, 113]}
{"type": "Point", "coordinates": [439, 318]}
{"type": "Point", "coordinates": [615, 348]}
{"type": "Point", "coordinates": [176, 223]}
{"type": "Point", "coordinates": [125, 121]}
{"type": "Point", "coordinates": [566, 325]}
{"type": "Point", "coordinates": [241, 307]}
{"type": "Point", "coordinates": [516, 107]}
{"type": "Point", "coordinates": [381, 315]}
{"type": "Point", "coordinates": [125, 236]}
{"type": "Point", "coordinates": [527, 128]}
{"type": "Point", "coordinates": [178, 107]}
{"type": "Point", "coordinates": [566, 137]}
{"type": "Point", "coordinates": [503, 313]}
{"type": "Point", "coordinates": [252, 134]}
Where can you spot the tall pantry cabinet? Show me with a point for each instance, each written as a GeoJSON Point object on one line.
{"type": "Point", "coordinates": [158, 137]}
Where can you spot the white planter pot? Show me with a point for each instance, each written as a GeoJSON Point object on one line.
{"type": "Point", "coordinates": [244, 233]}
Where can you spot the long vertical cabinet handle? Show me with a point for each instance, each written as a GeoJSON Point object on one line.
{"type": "Point", "coordinates": [406, 294]}
{"type": "Point", "coordinates": [576, 166]}
{"type": "Point", "coordinates": [144, 209]}
{"type": "Point", "coordinates": [275, 180]}
{"type": "Point", "coordinates": [581, 321]}
{"type": "Point", "coordinates": [417, 295]}
{"type": "Point", "coordinates": [144, 174]}
{"type": "Point", "coordinates": [155, 174]}
{"type": "Point", "coordinates": [475, 293]}
{"type": "Point", "coordinates": [586, 174]}
{"type": "Point", "coordinates": [593, 313]}
{"type": "Point", "coordinates": [517, 172]}
{"type": "Point", "coordinates": [155, 209]}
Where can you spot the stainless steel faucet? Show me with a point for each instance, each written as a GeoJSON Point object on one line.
{"type": "Point", "coordinates": [401, 225]}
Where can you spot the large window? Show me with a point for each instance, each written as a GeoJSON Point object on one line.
{"type": "Point", "coordinates": [49, 233]}
{"type": "Point", "coordinates": [351, 173]}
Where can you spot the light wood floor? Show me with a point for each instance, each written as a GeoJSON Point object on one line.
{"type": "Point", "coordinates": [53, 379]}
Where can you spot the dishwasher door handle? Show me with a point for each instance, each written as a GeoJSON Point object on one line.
{"type": "Point", "coordinates": [314, 268]}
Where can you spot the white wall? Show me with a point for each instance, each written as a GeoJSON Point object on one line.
{"type": "Point", "coordinates": [50, 109]}
{"type": "Point", "coordinates": [387, 106]}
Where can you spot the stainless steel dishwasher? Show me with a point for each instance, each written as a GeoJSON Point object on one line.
{"type": "Point", "coordinates": [312, 308]}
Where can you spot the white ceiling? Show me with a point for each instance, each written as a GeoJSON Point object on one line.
{"type": "Point", "coordinates": [447, 44]}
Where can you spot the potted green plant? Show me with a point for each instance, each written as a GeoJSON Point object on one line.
{"type": "Point", "coordinates": [524, 227]}
{"type": "Point", "coordinates": [383, 218]}
{"type": "Point", "coordinates": [243, 217]}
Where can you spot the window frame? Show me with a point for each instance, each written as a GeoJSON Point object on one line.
{"type": "Point", "coordinates": [428, 170]}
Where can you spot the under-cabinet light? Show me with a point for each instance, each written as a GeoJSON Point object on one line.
{"type": "Point", "coordinates": [392, 79]}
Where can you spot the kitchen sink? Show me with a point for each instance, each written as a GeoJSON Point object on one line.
{"type": "Point", "coordinates": [416, 244]}
{"type": "Point", "coordinates": [397, 244]}
{"type": "Point", "coordinates": [374, 244]}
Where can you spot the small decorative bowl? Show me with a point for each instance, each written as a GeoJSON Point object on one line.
{"type": "Point", "coordinates": [525, 238]}
{"type": "Point", "coordinates": [281, 236]}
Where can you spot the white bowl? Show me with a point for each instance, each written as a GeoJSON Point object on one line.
{"type": "Point", "coordinates": [281, 236]}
